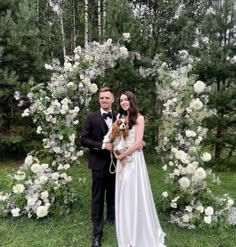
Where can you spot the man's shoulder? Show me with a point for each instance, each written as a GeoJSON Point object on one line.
{"type": "Point", "coordinates": [93, 114]}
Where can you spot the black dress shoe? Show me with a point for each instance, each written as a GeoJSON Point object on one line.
{"type": "Point", "coordinates": [96, 242]}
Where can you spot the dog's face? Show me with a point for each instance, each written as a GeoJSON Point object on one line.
{"type": "Point", "coordinates": [122, 123]}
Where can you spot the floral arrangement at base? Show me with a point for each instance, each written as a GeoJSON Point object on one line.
{"type": "Point", "coordinates": [42, 185]}
{"type": "Point", "coordinates": [189, 199]}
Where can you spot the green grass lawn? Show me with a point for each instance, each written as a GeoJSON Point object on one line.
{"type": "Point", "coordinates": [74, 230]}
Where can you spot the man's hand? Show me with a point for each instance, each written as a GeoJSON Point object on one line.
{"type": "Point", "coordinates": [109, 146]}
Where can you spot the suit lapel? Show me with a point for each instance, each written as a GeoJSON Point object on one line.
{"type": "Point", "coordinates": [102, 123]}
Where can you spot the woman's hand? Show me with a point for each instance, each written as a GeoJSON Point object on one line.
{"type": "Point", "coordinates": [117, 156]}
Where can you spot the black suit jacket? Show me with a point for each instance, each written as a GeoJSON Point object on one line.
{"type": "Point", "coordinates": [92, 135]}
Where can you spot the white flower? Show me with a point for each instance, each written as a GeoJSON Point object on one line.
{"type": "Point", "coordinates": [189, 209]}
{"type": "Point", "coordinates": [200, 173]}
{"type": "Point", "coordinates": [44, 195]}
{"type": "Point", "coordinates": [230, 202]}
{"type": "Point", "coordinates": [55, 175]}
{"type": "Point", "coordinates": [173, 204]}
{"type": "Point", "coordinates": [207, 219]}
{"type": "Point", "coordinates": [36, 168]}
{"type": "Point", "coordinates": [164, 194]}
{"type": "Point", "coordinates": [15, 212]}
{"type": "Point", "coordinates": [200, 208]}
{"type": "Point", "coordinates": [93, 88]}
{"type": "Point", "coordinates": [164, 168]}
{"type": "Point", "coordinates": [31, 201]}
{"type": "Point", "coordinates": [39, 130]}
{"type": "Point", "coordinates": [29, 160]}
{"type": "Point", "coordinates": [176, 172]}
{"type": "Point", "coordinates": [190, 133]}
{"type": "Point", "coordinates": [72, 138]}
{"type": "Point", "coordinates": [199, 87]}
{"type": "Point", "coordinates": [66, 166]}
{"type": "Point", "coordinates": [26, 113]}
{"type": "Point", "coordinates": [80, 153]}
{"type": "Point", "coordinates": [18, 188]}
{"type": "Point", "coordinates": [17, 95]}
{"type": "Point", "coordinates": [57, 150]}
{"type": "Point", "coordinates": [206, 157]}
{"type": "Point", "coordinates": [196, 104]}
{"type": "Point", "coordinates": [209, 211]}
{"type": "Point", "coordinates": [42, 211]}
{"type": "Point", "coordinates": [184, 182]}
{"type": "Point", "coordinates": [48, 67]}
{"type": "Point", "coordinates": [191, 168]}
{"type": "Point", "coordinates": [20, 175]}
{"type": "Point", "coordinates": [171, 163]}
{"type": "Point", "coordinates": [186, 218]}
{"type": "Point", "coordinates": [126, 36]}
{"type": "Point", "coordinates": [124, 51]}
{"type": "Point", "coordinates": [43, 179]}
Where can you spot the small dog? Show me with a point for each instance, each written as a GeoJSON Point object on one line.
{"type": "Point", "coordinates": [117, 134]}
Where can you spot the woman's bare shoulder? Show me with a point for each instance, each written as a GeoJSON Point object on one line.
{"type": "Point", "coordinates": [140, 118]}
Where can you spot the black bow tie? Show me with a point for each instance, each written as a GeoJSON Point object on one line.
{"type": "Point", "coordinates": [106, 115]}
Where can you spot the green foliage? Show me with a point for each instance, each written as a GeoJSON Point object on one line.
{"type": "Point", "coordinates": [75, 229]}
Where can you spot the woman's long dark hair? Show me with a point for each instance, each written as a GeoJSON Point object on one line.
{"type": "Point", "coordinates": [133, 110]}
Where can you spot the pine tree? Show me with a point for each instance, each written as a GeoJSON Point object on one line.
{"type": "Point", "coordinates": [218, 67]}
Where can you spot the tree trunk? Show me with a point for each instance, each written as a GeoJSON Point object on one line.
{"type": "Point", "coordinates": [99, 22]}
{"type": "Point", "coordinates": [104, 19]}
{"type": "Point", "coordinates": [86, 24]}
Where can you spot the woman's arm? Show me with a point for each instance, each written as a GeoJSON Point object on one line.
{"type": "Point", "coordinates": [139, 130]}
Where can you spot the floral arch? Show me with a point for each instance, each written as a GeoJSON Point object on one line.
{"type": "Point", "coordinates": [41, 185]}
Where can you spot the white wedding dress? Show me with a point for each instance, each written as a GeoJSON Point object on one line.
{"type": "Point", "coordinates": [137, 224]}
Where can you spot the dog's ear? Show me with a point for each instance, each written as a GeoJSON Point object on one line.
{"type": "Point", "coordinates": [114, 131]}
{"type": "Point", "coordinates": [126, 131]}
{"type": "Point", "coordinates": [118, 121]}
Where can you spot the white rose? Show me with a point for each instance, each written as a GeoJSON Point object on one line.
{"type": "Point", "coordinates": [126, 36]}
{"type": "Point", "coordinates": [15, 212]}
{"type": "Point", "coordinates": [184, 183]}
{"type": "Point", "coordinates": [20, 175]}
{"type": "Point", "coordinates": [39, 130]}
{"type": "Point", "coordinates": [196, 104]}
{"type": "Point", "coordinates": [18, 188]}
{"type": "Point", "coordinates": [55, 175]}
{"type": "Point", "coordinates": [173, 204]}
{"type": "Point", "coordinates": [176, 172]}
{"type": "Point", "coordinates": [124, 51]}
{"type": "Point", "coordinates": [199, 87]}
{"type": "Point", "coordinates": [209, 211]}
{"type": "Point", "coordinates": [186, 218]}
{"type": "Point", "coordinates": [190, 133]}
{"type": "Point", "coordinates": [189, 209]}
{"type": "Point", "coordinates": [66, 166]}
{"type": "Point", "coordinates": [164, 168]}
{"type": "Point", "coordinates": [44, 195]}
{"type": "Point", "coordinates": [200, 173]}
{"type": "Point", "coordinates": [43, 179]}
{"type": "Point", "coordinates": [93, 88]}
{"type": "Point", "coordinates": [36, 168]}
{"type": "Point", "coordinates": [200, 208]}
{"type": "Point", "coordinates": [191, 168]}
{"type": "Point", "coordinates": [57, 150]}
{"type": "Point", "coordinates": [42, 211]}
{"type": "Point", "coordinates": [80, 153]}
{"type": "Point", "coordinates": [31, 201]}
{"type": "Point", "coordinates": [207, 219]}
{"type": "Point", "coordinates": [230, 203]}
{"type": "Point", "coordinates": [206, 157]}
{"type": "Point", "coordinates": [29, 160]}
{"type": "Point", "coordinates": [165, 194]}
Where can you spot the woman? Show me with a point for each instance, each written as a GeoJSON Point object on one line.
{"type": "Point", "coordinates": [137, 224]}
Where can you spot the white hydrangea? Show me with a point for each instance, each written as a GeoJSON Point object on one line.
{"type": "Point", "coordinates": [196, 104]}
{"type": "Point", "coordinates": [199, 87]}
{"type": "Point", "coordinates": [15, 212]}
{"type": "Point", "coordinates": [36, 168]}
{"type": "Point", "coordinates": [209, 211]}
{"type": "Point", "coordinates": [207, 219]}
{"type": "Point", "coordinates": [190, 133]}
{"type": "Point", "coordinates": [184, 182]}
{"type": "Point", "coordinates": [165, 194]}
{"type": "Point", "coordinates": [29, 160]}
{"type": "Point", "coordinates": [42, 211]}
{"type": "Point", "coordinates": [18, 188]}
{"type": "Point", "coordinates": [205, 157]}
{"type": "Point", "coordinates": [200, 173]}
{"type": "Point", "coordinates": [20, 175]}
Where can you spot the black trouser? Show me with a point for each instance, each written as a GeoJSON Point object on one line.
{"type": "Point", "coordinates": [103, 186]}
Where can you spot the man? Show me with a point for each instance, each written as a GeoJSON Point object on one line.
{"type": "Point", "coordinates": [95, 128]}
